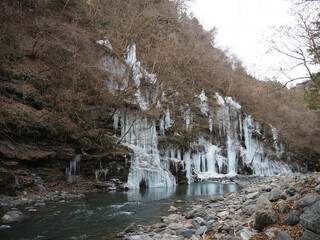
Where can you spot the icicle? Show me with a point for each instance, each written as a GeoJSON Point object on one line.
{"type": "Point", "coordinates": [115, 120]}
{"type": "Point", "coordinates": [187, 161]}
{"type": "Point", "coordinates": [167, 119]}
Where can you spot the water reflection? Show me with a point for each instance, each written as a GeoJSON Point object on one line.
{"type": "Point", "coordinates": [209, 189]}
{"type": "Point", "coordinates": [185, 191]}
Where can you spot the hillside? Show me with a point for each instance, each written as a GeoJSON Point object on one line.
{"type": "Point", "coordinates": [61, 89]}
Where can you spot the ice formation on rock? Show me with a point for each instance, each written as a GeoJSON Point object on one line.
{"type": "Point", "coordinates": [235, 141]}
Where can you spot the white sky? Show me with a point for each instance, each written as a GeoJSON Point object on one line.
{"type": "Point", "coordinates": [243, 26]}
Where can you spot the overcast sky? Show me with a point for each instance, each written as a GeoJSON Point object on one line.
{"type": "Point", "coordinates": [243, 27]}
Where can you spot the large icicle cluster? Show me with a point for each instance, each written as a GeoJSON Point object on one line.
{"type": "Point", "coordinates": [238, 141]}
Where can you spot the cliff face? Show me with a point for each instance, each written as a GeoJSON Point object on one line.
{"type": "Point", "coordinates": [135, 92]}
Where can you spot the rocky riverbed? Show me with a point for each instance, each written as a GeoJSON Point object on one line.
{"type": "Point", "coordinates": [279, 207]}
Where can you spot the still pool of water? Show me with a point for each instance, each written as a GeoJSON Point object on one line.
{"type": "Point", "coordinates": [103, 215]}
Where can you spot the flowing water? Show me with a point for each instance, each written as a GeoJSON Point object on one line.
{"type": "Point", "coordinates": [103, 215]}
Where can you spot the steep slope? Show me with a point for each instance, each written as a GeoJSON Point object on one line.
{"type": "Point", "coordinates": [62, 93]}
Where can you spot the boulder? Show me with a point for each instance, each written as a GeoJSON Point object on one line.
{"type": "Point", "coordinates": [291, 219]}
{"type": "Point", "coordinates": [308, 235]}
{"type": "Point", "coordinates": [283, 236]}
{"type": "Point", "coordinates": [275, 194]}
{"type": "Point", "coordinates": [13, 217]}
{"type": "Point", "coordinates": [310, 219]}
{"type": "Point", "coordinates": [307, 201]}
{"type": "Point", "coordinates": [264, 214]}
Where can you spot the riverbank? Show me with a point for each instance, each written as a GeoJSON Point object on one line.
{"type": "Point", "coordinates": [279, 207]}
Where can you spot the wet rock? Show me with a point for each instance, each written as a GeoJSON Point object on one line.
{"type": "Point", "coordinates": [291, 219]}
{"type": "Point", "coordinates": [274, 195]}
{"type": "Point", "coordinates": [307, 201]}
{"type": "Point", "coordinates": [264, 213]}
{"type": "Point", "coordinates": [310, 219]}
{"type": "Point", "coordinates": [13, 217]}
{"type": "Point", "coordinates": [308, 235]}
{"type": "Point", "coordinates": [283, 236]}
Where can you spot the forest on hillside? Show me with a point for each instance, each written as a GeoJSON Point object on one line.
{"type": "Point", "coordinates": [53, 86]}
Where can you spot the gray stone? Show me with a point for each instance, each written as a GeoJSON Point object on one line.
{"type": "Point", "coordinates": [291, 190]}
{"type": "Point", "coordinates": [39, 204]}
{"type": "Point", "coordinates": [275, 194]}
{"type": "Point", "coordinates": [317, 188]}
{"type": "Point", "coordinates": [201, 230]}
{"type": "Point", "coordinates": [172, 218]}
{"type": "Point", "coordinates": [13, 217]}
{"type": "Point", "coordinates": [283, 236]}
{"type": "Point", "coordinates": [264, 213]}
{"type": "Point", "coordinates": [247, 233]}
{"type": "Point", "coordinates": [291, 219]}
{"type": "Point", "coordinates": [308, 235]}
{"type": "Point", "coordinates": [176, 226]}
{"type": "Point", "coordinates": [310, 219]}
{"type": "Point", "coordinates": [131, 228]}
{"type": "Point", "coordinates": [198, 221]}
{"type": "Point", "coordinates": [266, 188]}
{"type": "Point", "coordinates": [248, 207]}
{"type": "Point", "coordinates": [307, 201]}
{"type": "Point", "coordinates": [187, 233]}
{"type": "Point", "coordinates": [172, 209]}
{"type": "Point", "coordinates": [217, 236]}
{"type": "Point", "coordinates": [139, 237]}
{"type": "Point", "coordinates": [190, 214]}
{"type": "Point", "coordinates": [270, 232]}
{"type": "Point", "coordinates": [283, 207]}
{"type": "Point", "coordinates": [211, 217]}
{"type": "Point", "coordinates": [283, 196]}
{"type": "Point", "coordinates": [252, 195]}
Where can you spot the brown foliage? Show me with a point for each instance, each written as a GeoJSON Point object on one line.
{"type": "Point", "coordinates": [53, 42]}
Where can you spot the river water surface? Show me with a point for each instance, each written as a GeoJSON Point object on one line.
{"type": "Point", "coordinates": [103, 215]}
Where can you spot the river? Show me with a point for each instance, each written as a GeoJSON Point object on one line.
{"type": "Point", "coordinates": [103, 215]}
